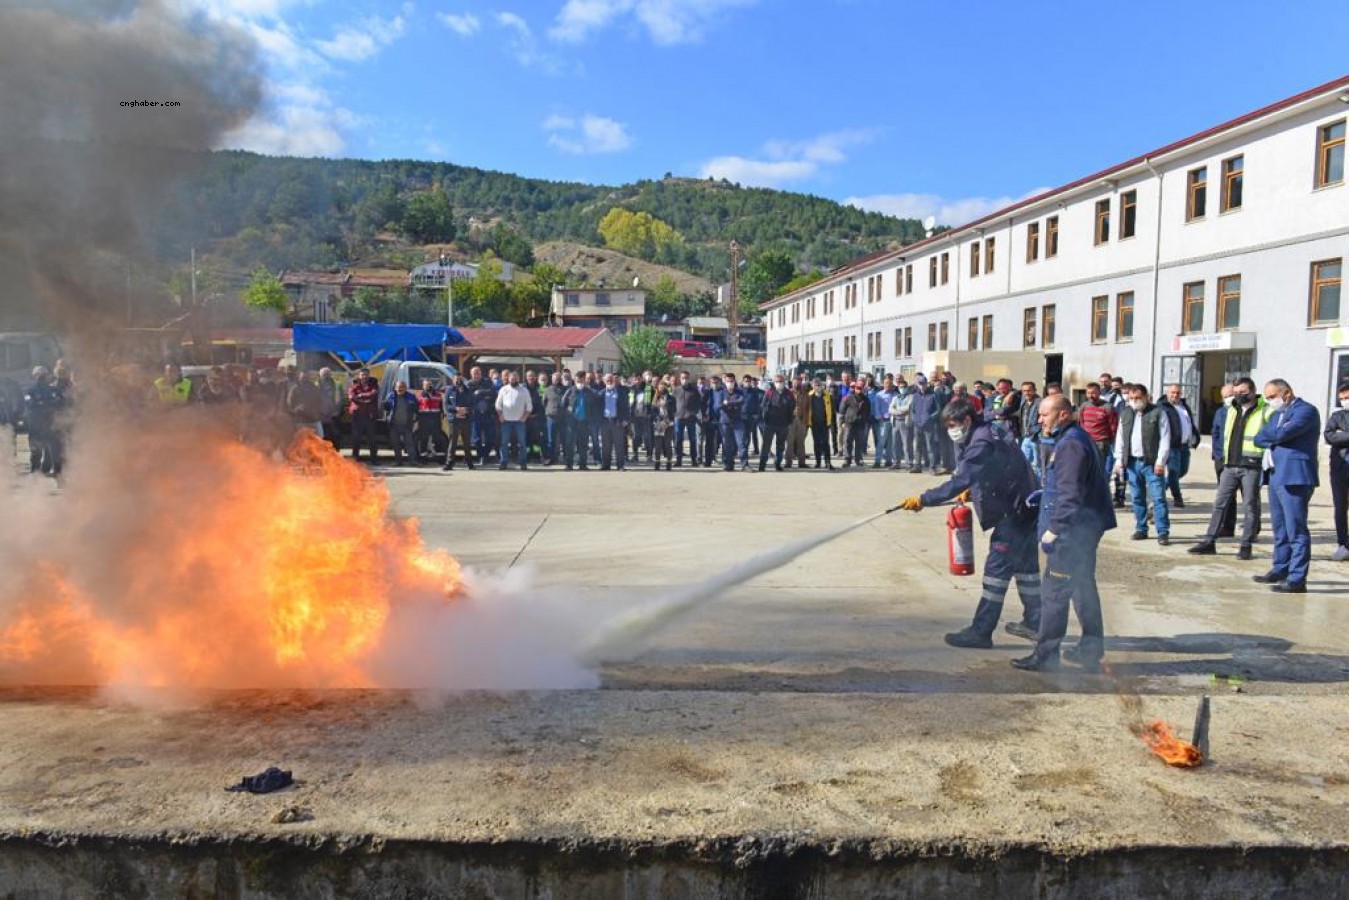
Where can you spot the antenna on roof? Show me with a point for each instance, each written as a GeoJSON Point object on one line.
{"type": "Point", "coordinates": [928, 224]}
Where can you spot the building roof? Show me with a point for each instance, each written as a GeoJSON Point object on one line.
{"type": "Point", "coordinates": [1339, 84]}
{"type": "Point", "coordinates": [718, 322]}
{"type": "Point", "coordinates": [534, 341]}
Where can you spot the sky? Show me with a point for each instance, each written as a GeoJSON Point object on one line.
{"type": "Point", "coordinates": [910, 108]}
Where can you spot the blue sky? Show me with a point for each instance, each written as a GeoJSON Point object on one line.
{"type": "Point", "coordinates": [914, 108]}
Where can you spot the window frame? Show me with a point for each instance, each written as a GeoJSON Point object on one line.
{"type": "Point", "coordinates": [973, 333]}
{"type": "Point", "coordinates": [1196, 194]}
{"type": "Point", "coordinates": [931, 337]}
{"type": "Point", "coordinates": [908, 279]}
{"type": "Point", "coordinates": [1100, 319]}
{"type": "Point", "coordinates": [1120, 336]}
{"type": "Point", "coordinates": [1101, 235]}
{"type": "Point", "coordinates": [908, 341]}
{"type": "Point", "coordinates": [1029, 330]}
{"type": "Point", "coordinates": [1051, 237]}
{"type": "Point", "coordinates": [988, 331]}
{"type": "Point", "coordinates": [1032, 242]}
{"type": "Point", "coordinates": [943, 335]}
{"type": "Point", "coordinates": [1325, 148]}
{"type": "Point", "coordinates": [1226, 297]}
{"type": "Point", "coordinates": [1189, 300]}
{"type": "Point", "coordinates": [1049, 315]}
{"type": "Point", "coordinates": [946, 267]}
{"type": "Point", "coordinates": [932, 272]}
{"type": "Point", "coordinates": [1316, 283]}
{"type": "Point", "coordinates": [1128, 214]}
{"type": "Point", "coordinates": [989, 249]}
{"type": "Point", "coordinates": [1233, 169]}
{"type": "Point", "coordinates": [976, 252]}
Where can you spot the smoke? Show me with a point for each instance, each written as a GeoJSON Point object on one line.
{"type": "Point", "coordinates": [83, 174]}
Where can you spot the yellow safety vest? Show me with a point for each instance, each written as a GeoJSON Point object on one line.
{"type": "Point", "coordinates": [177, 393]}
{"type": "Point", "coordinates": [1255, 420]}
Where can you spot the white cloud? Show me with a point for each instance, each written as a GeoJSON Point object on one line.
{"type": "Point", "coordinates": [788, 161]}
{"type": "Point", "coordinates": [524, 46]}
{"type": "Point", "coordinates": [947, 211]}
{"type": "Point", "coordinates": [294, 131]}
{"type": "Point", "coordinates": [589, 134]}
{"type": "Point", "coordinates": [463, 24]}
{"type": "Point", "coordinates": [666, 22]}
{"type": "Point", "coordinates": [362, 40]}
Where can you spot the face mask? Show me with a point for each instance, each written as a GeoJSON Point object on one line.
{"type": "Point", "coordinates": [1241, 399]}
{"type": "Point", "coordinates": [956, 435]}
{"type": "Point", "coordinates": [779, 385]}
{"type": "Point", "coordinates": [1137, 405]}
{"type": "Point", "coordinates": [1275, 403]}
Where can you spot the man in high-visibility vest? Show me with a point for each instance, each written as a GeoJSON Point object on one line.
{"type": "Point", "coordinates": [1241, 467]}
{"type": "Point", "coordinates": [172, 389]}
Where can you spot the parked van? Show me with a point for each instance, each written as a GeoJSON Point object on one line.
{"type": "Point", "coordinates": [694, 349]}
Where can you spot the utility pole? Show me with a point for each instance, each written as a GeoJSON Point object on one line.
{"type": "Point", "coordinates": [733, 313]}
{"type": "Point", "coordinates": [449, 301]}
{"type": "Point", "coordinates": [194, 277]}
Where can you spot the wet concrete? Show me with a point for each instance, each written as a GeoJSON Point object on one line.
{"type": "Point", "coordinates": [808, 735]}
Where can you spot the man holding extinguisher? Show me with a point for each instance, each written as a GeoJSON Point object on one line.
{"type": "Point", "coordinates": [991, 468]}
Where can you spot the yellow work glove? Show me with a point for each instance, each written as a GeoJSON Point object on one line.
{"type": "Point", "coordinates": [963, 496]}
{"type": "Point", "coordinates": [912, 504]}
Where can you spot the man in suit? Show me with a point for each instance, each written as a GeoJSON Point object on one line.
{"type": "Point", "coordinates": [1291, 436]}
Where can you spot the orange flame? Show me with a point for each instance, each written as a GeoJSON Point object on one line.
{"type": "Point", "coordinates": [1173, 751]}
{"type": "Point", "coordinates": [196, 561]}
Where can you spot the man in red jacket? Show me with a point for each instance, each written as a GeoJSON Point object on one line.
{"type": "Point", "coordinates": [1100, 421]}
{"type": "Point", "coordinates": [363, 397]}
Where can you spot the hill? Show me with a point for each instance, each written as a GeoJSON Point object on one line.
{"type": "Point", "coordinates": [594, 263]}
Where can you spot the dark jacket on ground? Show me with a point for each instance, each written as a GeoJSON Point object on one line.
{"type": "Point", "coordinates": [995, 472]}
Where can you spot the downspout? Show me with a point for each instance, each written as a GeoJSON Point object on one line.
{"type": "Point", "coordinates": [1156, 272]}
{"type": "Point", "coordinates": [955, 339]}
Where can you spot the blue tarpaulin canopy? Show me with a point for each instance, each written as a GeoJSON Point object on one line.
{"type": "Point", "coordinates": [369, 343]}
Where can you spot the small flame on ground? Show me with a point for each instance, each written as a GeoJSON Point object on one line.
{"type": "Point", "coordinates": [1173, 751]}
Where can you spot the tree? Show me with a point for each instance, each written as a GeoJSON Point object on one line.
{"type": "Point", "coordinates": [484, 297]}
{"type": "Point", "coordinates": [765, 274]}
{"type": "Point", "coordinates": [800, 281]}
{"type": "Point", "coordinates": [265, 291]}
{"type": "Point", "coordinates": [644, 348]}
{"type": "Point", "coordinates": [428, 218]}
{"type": "Point", "coordinates": [637, 234]}
{"type": "Point", "coordinates": [665, 299]}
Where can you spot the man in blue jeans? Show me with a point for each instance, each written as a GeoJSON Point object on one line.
{"type": "Point", "coordinates": [1291, 436]}
{"type": "Point", "coordinates": [1141, 448]}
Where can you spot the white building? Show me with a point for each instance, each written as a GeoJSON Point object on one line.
{"type": "Point", "coordinates": [437, 275]}
{"type": "Point", "coordinates": [1218, 255]}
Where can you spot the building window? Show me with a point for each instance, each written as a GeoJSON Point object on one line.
{"type": "Point", "coordinates": [601, 299]}
{"type": "Point", "coordinates": [1047, 317]}
{"type": "Point", "coordinates": [1196, 195]}
{"type": "Point", "coordinates": [1100, 319]}
{"type": "Point", "coordinates": [932, 336]}
{"type": "Point", "coordinates": [908, 278]}
{"type": "Point", "coordinates": [1032, 242]}
{"type": "Point", "coordinates": [782, 357]}
{"type": "Point", "coordinates": [988, 255]}
{"type": "Point", "coordinates": [1330, 154]}
{"type": "Point", "coordinates": [1192, 312]}
{"type": "Point", "coordinates": [908, 342]}
{"type": "Point", "coordinates": [1102, 221]}
{"type": "Point", "coordinates": [974, 333]}
{"type": "Point", "coordinates": [1028, 327]}
{"type": "Point", "coordinates": [974, 259]}
{"type": "Point", "coordinates": [945, 267]}
{"type": "Point", "coordinates": [1232, 170]}
{"type": "Point", "coordinates": [810, 350]}
{"type": "Point", "coordinates": [1325, 305]}
{"type": "Point", "coordinates": [1229, 303]}
{"type": "Point", "coordinates": [988, 332]}
{"type": "Point", "coordinates": [573, 299]}
{"type": "Point", "coordinates": [899, 342]}
{"type": "Point", "coordinates": [1051, 237]}
{"type": "Point", "coordinates": [1124, 316]}
{"type": "Point", "coordinates": [943, 340]}
{"type": "Point", "coordinates": [932, 272]}
{"type": "Point", "coordinates": [1128, 214]}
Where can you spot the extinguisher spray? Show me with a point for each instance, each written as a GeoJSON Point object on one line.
{"type": "Point", "coordinates": [960, 539]}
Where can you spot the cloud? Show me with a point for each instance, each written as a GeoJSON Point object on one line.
{"type": "Point", "coordinates": [788, 161]}
{"type": "Point", "coordinates": [294, 130]}
{"type": "Point", "coordinates": [362, 40]}
{"type": "Point", "coordinates": [590, 134]}
{"type": "Point", "coordinates": [947, 211]}
{"type": "Point", "coordinates": [463, 24]}
{"type": "Point", "coordinates": [524, 46]}
{"type": "Point", "coordinates": [667, 22]}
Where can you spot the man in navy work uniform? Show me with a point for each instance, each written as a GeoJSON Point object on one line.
{"type": "Point", "coordinates": [1291, 436]}
{"type": "Point", "coordinates": [1075, 511]}
{"type": "Point", "coordinates": [991, 467]}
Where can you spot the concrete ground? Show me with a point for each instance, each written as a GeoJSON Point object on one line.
{"type": "Point", "coordinates": [815, 705]}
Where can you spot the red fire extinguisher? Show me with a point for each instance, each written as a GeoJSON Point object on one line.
{"type": "Point", "coordinates": [960, 539]}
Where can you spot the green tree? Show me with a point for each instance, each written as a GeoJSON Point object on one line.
{"type": "Point", "coordinates": [766, 273]}
{"type": "Point", "coordinates": [637, 234]}
{"type": "Point", "coordinates": [665, 299]}
{"type": "Point", "coordinates": [265, 291]}
{"type": "Point", "coordinates": [800, 281]}
{"type": "Point", "coordinates": [485, 297]}
{"type": "Point", "coordinates": [529, 300]}
{"type": "Point", "coordinates": [644, 348]}
{"type": "Point", "coordinates": [428, 218]}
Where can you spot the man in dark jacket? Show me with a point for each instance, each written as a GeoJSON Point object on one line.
{"type": "Point", "coordinates": [729, 406]}
{"type": "Point", "coordinates": [1337, 436]}
{"type": "Point", "coordinates": [1184, 438]}
{"type": "Point", "coordinates": [1239, 463]}
{"type": "Point", "coordinates": [779, 409]}
{"type": "Point", "coordinates": [430, 413]}
{"type": "Point", "coordinates": [582, 402]}
{"type": "Point", "coordinates": [484, 394]}
{"type": "Point", "coordinates": [400, 410]}
{"type": "Point", "coordinates": [753, 415]}
{"type": "Point", "coordinates": [363, 404]}
{"type": "Point", "coordinates": [991, 469]}
{"type": "Point", "coordinates": [1228, 526]}
{"type": "Point", "coordinates": [711, 393]}
{"type": "Point", "coordinates": [924, 412]}
{"type": "Point", "coordinates": [1291, 436]}
{"type": "Point", "coordinates": [615, 411]}
{"type": "Point", "coordinates": [458, 404]}
{"type": "Point", "coordinates": [856, 415]}
{"type": "Point", "coordinates": [556, 416]}
{"type": "Point", "coordinates": [1075, 511]}
{"type": "Point", "coordinates": [688, 404]}
{"type": "Point", "coordinates": [42, 402]}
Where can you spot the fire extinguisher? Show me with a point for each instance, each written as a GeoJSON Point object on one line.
{"type": "Point", "coordinates": [960, 539]}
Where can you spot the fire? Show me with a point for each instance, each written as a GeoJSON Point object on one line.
{"type": "Point", "coordinates": [1173, 751]}
{"type": "Point", "coordinates": [186, 559]}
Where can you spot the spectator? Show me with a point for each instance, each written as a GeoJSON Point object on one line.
{"type": "Point", "coordinates": [1228, 526]}
{"type": "Point", "coordinates": [882, 427]}
{"type": "Point", "coordinates": [798, 428]}
{"type": "Point", "coordinates": [779, 411]}
{"type": "Point", "coordinates": [1238, 463]}
{"type": "Point", "coordinates": [662, 425]}
{"type": "Point", "coordinates": [614, 413]}
{"type": "Point", "coordinates": [711, 419]}
{"type": "Point", "coordinates": [924, 411]}
{"type": "Point", "coordinates": [856, 416]}
{"type": "Point", "coordinates": [400, 411]}
{"type": "Point", "coordinates": [820, 421]}
{"type": "Point", "coordinates": [330, 407]}
{"type": "Point", "coordinates": [431, 440]}
{"type": "Point", "coordinates": [536, 432]}
{"type": "Point", "coordinates": [729, 405]}
{"type": "Point", "coordinates": [303, 401]}
{"type": "Point", "coordinates": [1140, 455]}
{"type": "Point", "coordinates": [583, 406]}
{"type": "Point", "coordinates": [1184, 438]}
{"type": "Point", "coordinates": [688, 403]}
{"type": "Point", "coordinates": [1007, 409]}
{"type": "Point", "coordinates": [458, 404]}
{"type": "Point", "coordinates": [214, 391]}
{"type": "Point", "coordinates": [943, 389]}
{"type": "Point", "coordinates": [557, 418]}
{"type": "Point", "coordinates": [363, 404]}
{"type": "Point", "coordinates": [1028, 425]}
{"type": "Point", "coordinates": [171, 389]}
{"type": "Point", "coordinates": [1100, 421]}
{"type": "Point", "coordinates": [484, 394]}
{"type": "Point", "coordinates": [42, 402]}
{"type": "Point", "coordinates": [1337, 436]}
{"type": "Point", "coordinates": [752, 412]}
{"type": "Point", "coordinates": [1290, 436]}
{"type": "Point", "coordinates": [901, 426]}
{"type": "Point", "coordinates": [640, 396]}
{"type": "Point", "coordinates": [513, 403]}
